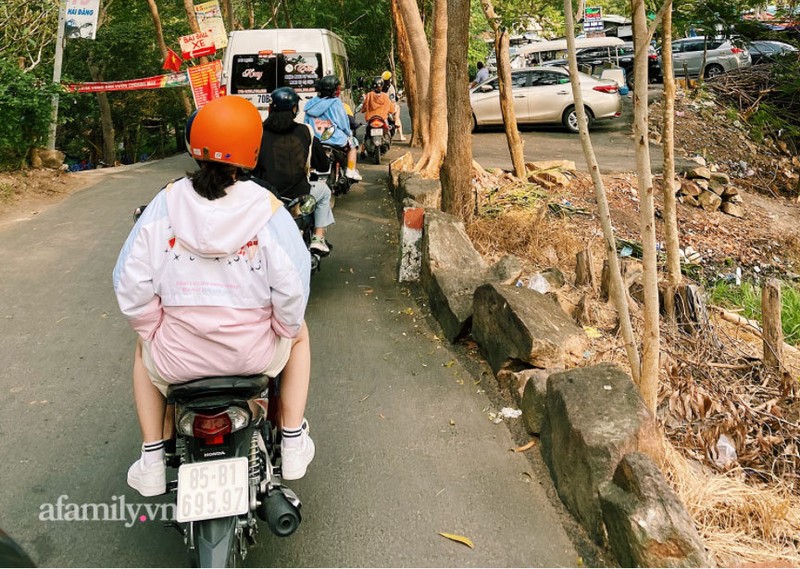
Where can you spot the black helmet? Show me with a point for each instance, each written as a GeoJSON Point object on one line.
{"type": "Point", "coordinates": [377, 84]}
{"type": "Point", "coordinates": [328, 86]}
{"type": "Point", "coordinates": [187, 133]}
{"type": "Point", "coordinates": [284, 99]}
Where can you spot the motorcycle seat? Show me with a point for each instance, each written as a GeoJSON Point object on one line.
{"type": "Point", "coordinates": [233, 386]}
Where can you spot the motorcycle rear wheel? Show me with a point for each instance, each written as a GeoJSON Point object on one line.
{"type": "Point", "coordinates": [377, 155]}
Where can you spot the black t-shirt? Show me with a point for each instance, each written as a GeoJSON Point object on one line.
{"type": "Point", "coordinates": [283, 158]}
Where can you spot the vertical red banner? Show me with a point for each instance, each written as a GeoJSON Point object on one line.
{"type": "Point", "coordinates": [205, 82]}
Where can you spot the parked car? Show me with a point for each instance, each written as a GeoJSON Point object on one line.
{"type": "Point", "coordinates": [768, 51]}
{"type": "Point", "coordinates": [619, 55]}
{"type": "Point", "coordinates": [721, 56]}
{"type": "Point", "coordinates": [544, 95]}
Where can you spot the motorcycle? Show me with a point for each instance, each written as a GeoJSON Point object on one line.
{"type": "Point", "coordinates": [228, 453]}
{"type": "Point", "coordinates": [335, 177]}
{"type": "Point", "coordinates": [229, 467]}
{"type": "Point", "coordinates": [378, 139]}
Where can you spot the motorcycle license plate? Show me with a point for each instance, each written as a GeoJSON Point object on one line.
{"type": "Point", "coordinates": [376, 132]}
{"type": "Point", "coordinates": [213, 489]}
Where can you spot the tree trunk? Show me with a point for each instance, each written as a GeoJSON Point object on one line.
{"type": "Point", "coordinates": [227, 14]}
{"type": "Point", "coordinates": [670, 207]}
{"type": "Point", "coordinates": [162, 46]}
{"type": "Point", "coordinates": [409, 74]}
{"type": "Point", "coordinates": [418, 45]}
{"type": "Point", "coordinates": [435, 144]}
{"type": "Point", "coordinates": [501, 47]}
{"type": "Point", "coordinates": [648, 384]}
{"type": "Point", "coordinates": [619, 290]}
{"type": "Point", "coordinates": [771, 325]}
{"type": "Point", "coordinates": [457, 196]}
{"type": "Point", "coordinates": [106, 120]}
{"type": "Point", "coordinates": [287, 14]}
{"type": "Point", "coordinates": [193, 25]}
{"type": "Point", "coordinates": [251, 15]}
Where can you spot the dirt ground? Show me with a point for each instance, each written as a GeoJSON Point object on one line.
{"type": "Point", "coordinates": [712, 383]}
{"type": "Point", "coordinates": [25, 193]}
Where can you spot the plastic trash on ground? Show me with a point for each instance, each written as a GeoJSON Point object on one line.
{"type": "Point", "coordinates": [539, 283]}
{"type": "Point", "coordinates": [725, 452]}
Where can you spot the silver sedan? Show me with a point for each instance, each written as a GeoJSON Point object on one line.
{"type": "Point", "coordinates": [544, 95]}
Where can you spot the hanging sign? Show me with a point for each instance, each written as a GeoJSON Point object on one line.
{"type": "Point", "coordinates": [209, 18]}
{"type": "Point", "coordinates": [205, 82]}
{"type": "Point", "coordinates": [81, 19]}
{"type": "Point", "coordinates": [197, 45]}
{"type": "Point", "coordinates": [156, 82]}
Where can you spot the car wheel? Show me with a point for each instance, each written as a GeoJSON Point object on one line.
{"type": "Point", "coordinates": [570, 119]}
{"type": "Point", "coordinates": [474, 123]}
{"type": "Point", "coordinates": [713, 70]}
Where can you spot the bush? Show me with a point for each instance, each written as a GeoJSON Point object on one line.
{"type": "Point", "coordinates": [26, 103]}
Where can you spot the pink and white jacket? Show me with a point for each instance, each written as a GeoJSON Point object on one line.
{"type": "Point", "coordinates": [211, 284]}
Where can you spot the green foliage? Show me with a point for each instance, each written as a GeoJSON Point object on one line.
{"type": "Point", "coordinates": [26, 103]}
{"type": "Point", "coordinates": [747, 297]}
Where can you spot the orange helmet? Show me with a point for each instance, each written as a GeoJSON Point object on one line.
{"type": "Point", "coordinates": [226, 130]}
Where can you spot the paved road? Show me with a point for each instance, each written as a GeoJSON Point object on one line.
{"type": "Point", "coordinates": [612, 140]}
{"type": "Point", "coordinates": [405, 449]}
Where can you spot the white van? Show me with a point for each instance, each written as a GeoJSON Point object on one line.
{"type": "Point", "coordinates": [257, 62]}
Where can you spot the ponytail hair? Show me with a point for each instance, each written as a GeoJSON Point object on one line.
{"type": "Point", "coordinates": [211, 180]}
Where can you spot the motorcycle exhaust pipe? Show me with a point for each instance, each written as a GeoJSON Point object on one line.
{"type": "Point", "coordinates": [282, 517]}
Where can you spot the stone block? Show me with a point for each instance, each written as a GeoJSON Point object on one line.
{"type": "Point", "coordinates": [709, 201]}
{"type": "Point", "coordinates": [402, 165]}
{"type": "Point", "coordinates": [721, 178]}
{"type": "Point", "coordinates": [534, 398]}
{"type": "Point", "coordinates": [733, 209]}
{"type": "Point", "coordinates": [451, 271]}
{"type": "Point", "coordinates": [427, 193]}
{"type": "Point", "coordinates": [646, 523]}
{"type": "Point", "coordinates": [701, 172]}
{"type": "Point", "coordinates": [516, 323]}
{"type": "Point", "coordinates": [594, 416]}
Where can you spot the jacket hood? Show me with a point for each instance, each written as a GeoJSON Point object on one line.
{"type": "Point", "coordinates": [318, 106]}
{"type": "Point", "coordinates": [215, 228]}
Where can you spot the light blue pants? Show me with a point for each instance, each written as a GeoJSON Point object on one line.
{"type": "Point", "coordinates": [323, 216]}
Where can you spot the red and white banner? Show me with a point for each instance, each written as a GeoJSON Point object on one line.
{"type": "Point", "coordinates": [205, 82]}
{"type": "Point", "coordinates": [197, 45]}
{"type": "Point", "coordinates": [156, 82]}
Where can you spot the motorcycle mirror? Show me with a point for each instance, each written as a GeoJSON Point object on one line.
{"type": "Point", "coordinates": [327, 133]}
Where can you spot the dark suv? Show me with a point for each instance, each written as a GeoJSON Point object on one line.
{"type": "Point", "coordinates": [620, 55]}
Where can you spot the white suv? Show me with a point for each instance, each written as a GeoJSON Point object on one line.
{"type": "Point", "coordinates": [721, 56]}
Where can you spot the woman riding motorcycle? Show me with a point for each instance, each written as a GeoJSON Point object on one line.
{"type": "Point", "coordinates": [288, 149]}
{"type": "Point", "coordinates": [326, 115]}
{"type": "Point", "coordinates": [214, 278]}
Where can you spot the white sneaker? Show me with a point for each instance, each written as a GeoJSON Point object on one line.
{"type": "Point", "coordinates": [148, 480]}
{"type": "Point", "coordinates": [353, 175]}
{"type": "Point", "coordinates": [319, 245]}
{"type": "Point", "coordinates": [296, 458]}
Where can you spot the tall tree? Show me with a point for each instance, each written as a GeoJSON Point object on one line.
{"type": "Point", "coordinates": [162, 46]}
{"type": "Point", "coordinates": [409, 74]}
{"type": "Point", "coordinates": [435, 135]}
{"type": "Point", "coordinates": [457, 196]}
{"type": "Point", "coordinates": [501, 48]}
{"type": "Point", "coordinates": [648, 384]}
{"type": "Point", "coordinates": [619, 292]}
{"type": "Point", "coordinates": [418, 44]}
{"type": "Point", "coordinates": [670, 183]}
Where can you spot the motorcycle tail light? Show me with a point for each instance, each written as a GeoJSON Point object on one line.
{"type": "Point", "coordinates": [653, 56]}
{"type": "Point", "coordinates": [213, 428]}
{"type": "Point", "coordinates": [223, 90]}
{"type": "Point", "coordinates": [376, 124]}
